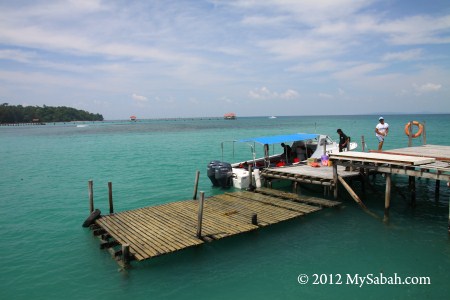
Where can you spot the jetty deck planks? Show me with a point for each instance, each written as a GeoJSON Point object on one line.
{"type": "Point", "coordinates": [383, 157]}
{"type": "Point", "coordinates": [157, 230]}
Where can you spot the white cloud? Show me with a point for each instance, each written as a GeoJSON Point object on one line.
{"type": "Point", "coordinates": [264, 93]}
{"type": "Point", "coordinates": [325, 95]}
{"type": "Point", "coordinates": [139, 98]}
{"type": "Point", "coordinates": [17, 55]}
{"type": "Point", "coordinates": [417, 30]}
{"type": "Point", "coordinates": [427, 87]}
{"type": "Point", "coordinates": [359, 70]}
{"type": "Point", "coordinates": [289, 94]}
{"type": "Point", "coordinates": [412, 54]}
{"type": "Point", "coordinates": [216, 49]}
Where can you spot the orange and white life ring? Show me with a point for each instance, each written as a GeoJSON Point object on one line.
{"type": "Point", "coordinates": [416, 123]}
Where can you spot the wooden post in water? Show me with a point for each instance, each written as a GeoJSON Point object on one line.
{"type": "Point", "coordinates": [91, 195]}
{"type": "Point", "coordinates": [412, 188]}
{"type": "Point", "coordinates": [387, 197]}
{"type": "Point", "coordinates": [352, 193]}
{"type": "Point", "coordinates": [250, 179]}
{"type": "Point", "coordinates": [197, 176]}
{"type": "Point", "coordinates": [126, 254]}
{"type": "Point", "coordinates": [410, 134]}
{"type": "Point", "coordinates": [110, 198]}
{"type": "Point", "coordinates": [424, 134]}
{"type": "Point", "coordinates": [436, 190]}
{"type": "Point", "coordinates": [335, 180]}
{"type": "Point", "coordinates": [200, 214]}
{"type": "Point", "coordinates": [363, 143]}
{"type": "Point", "coordinates": [255, 219]}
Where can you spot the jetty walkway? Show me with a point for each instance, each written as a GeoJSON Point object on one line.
{"type": "Point", "coordinates": [152, 231]}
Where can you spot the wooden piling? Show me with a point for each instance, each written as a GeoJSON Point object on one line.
{"type": "Point", "coordinates": [363, 143]}
{"type": "Point", "coordinates": [200, 214]}
{"type": "Point", "coordinates": [412, 188]}
{"type": "Point", "coordinates": [335, 180]}
{"type": "Point", "coordinates": [424, 134]}
{"type": "Point", "coordinates": [352, 193]}
{"type": "Point", "coordinates": [387, 197]}
{"type": "Point", "coordinates": [410, 134]}
{"type": "Point", "coordinates": [110, 198]}
{"type": "Point", "coordinates": [437, 190]}
{"type": "Point", "coordinates": [197, 176]}
{"type": "Point", "coordinates": [91, 195]}
{"type": "Point", "coordinates": [126, 254]}
{"type": "Point", "coordinates": [255, 219]}
{"type": "Point", "coordinates": [250, 175]}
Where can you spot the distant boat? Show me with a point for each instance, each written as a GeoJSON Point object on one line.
{"type": "Point", "coordinates": [133, 118]}
{"type": "Point", "coordinates": [272, 117]}
{"type": "Point", "coordinates": [82, 125]}
{"type": "Point", "coordinates": [230, 116]}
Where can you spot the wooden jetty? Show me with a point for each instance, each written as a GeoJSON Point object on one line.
{"type": "Point", "coordinates": [304, 173]}
{"type": "Point", "coordinates": [149, 232]}
{"type": "Point", "coordinates": [427, 161]}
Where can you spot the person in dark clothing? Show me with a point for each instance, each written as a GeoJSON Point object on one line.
{"type": "Point", "coordinates": [343, 140]}
{"type": "Point", "coordinates": [287, 152]}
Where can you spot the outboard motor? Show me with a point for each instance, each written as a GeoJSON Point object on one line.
{"type": "Point", "coordinates": [223, 174]}
{"type": "Point", "coordinates": [211, 171]}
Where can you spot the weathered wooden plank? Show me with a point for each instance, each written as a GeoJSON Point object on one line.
{"type": "Point", "coordinates": [119, 235]}
{"type": "Point", "coordinates": [295, 197]}
{"type": "Point", "coordinates": [166, 228]}
{"type": "Point", "coordinates": [159, 231]}
{"type": "Point", "coordinates": [136, 239]}
{"type": "Point", "coordinates": [266, 213]}
{"type": "Point", "coordinates": [299, 207]}
{"type": "Point", "coordinates": [383, 157]}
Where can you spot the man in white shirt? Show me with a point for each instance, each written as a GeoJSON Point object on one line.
{"type": "Point", "coordinates": [381, 131]}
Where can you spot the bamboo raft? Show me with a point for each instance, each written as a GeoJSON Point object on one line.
{"type": "Point", "coordinates": [149, 232]}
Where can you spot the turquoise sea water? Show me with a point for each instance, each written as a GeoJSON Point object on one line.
{"type": "Point", "coordinates": [46, 254]}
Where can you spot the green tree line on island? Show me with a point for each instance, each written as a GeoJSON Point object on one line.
{"type": "Point", "coordinates": [29, 114]}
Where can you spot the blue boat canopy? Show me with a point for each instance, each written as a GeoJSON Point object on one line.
{"type": "Point", "coordinates": [277, 139]}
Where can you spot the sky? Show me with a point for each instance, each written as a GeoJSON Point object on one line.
{"type": "Point", "coordinates": [205, 58]}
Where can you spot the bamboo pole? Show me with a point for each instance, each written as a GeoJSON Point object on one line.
{"type": "Point", "coordinates": [197, 176]}
{"type": "Point", "coordinates": [200, 214]}
{"type": "Point", "coordinates": [110, 198]}
{"type": "Point", "coordinates": [91, 195]}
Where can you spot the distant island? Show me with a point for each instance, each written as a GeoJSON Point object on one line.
{"type": "Point", "coordinates": [36, 114]}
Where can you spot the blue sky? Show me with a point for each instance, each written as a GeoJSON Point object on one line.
{"type": "Point", "coordinates": [157, 59]}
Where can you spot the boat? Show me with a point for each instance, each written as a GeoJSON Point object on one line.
{"type": "Point", "coordinates": [272, 117]}
{"type": "Point", "coordinates": [305, 148]}
{"type": "Point", "coordinates": [133, 118]}
{"type": "Point", "coordinates": [229, 116]}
